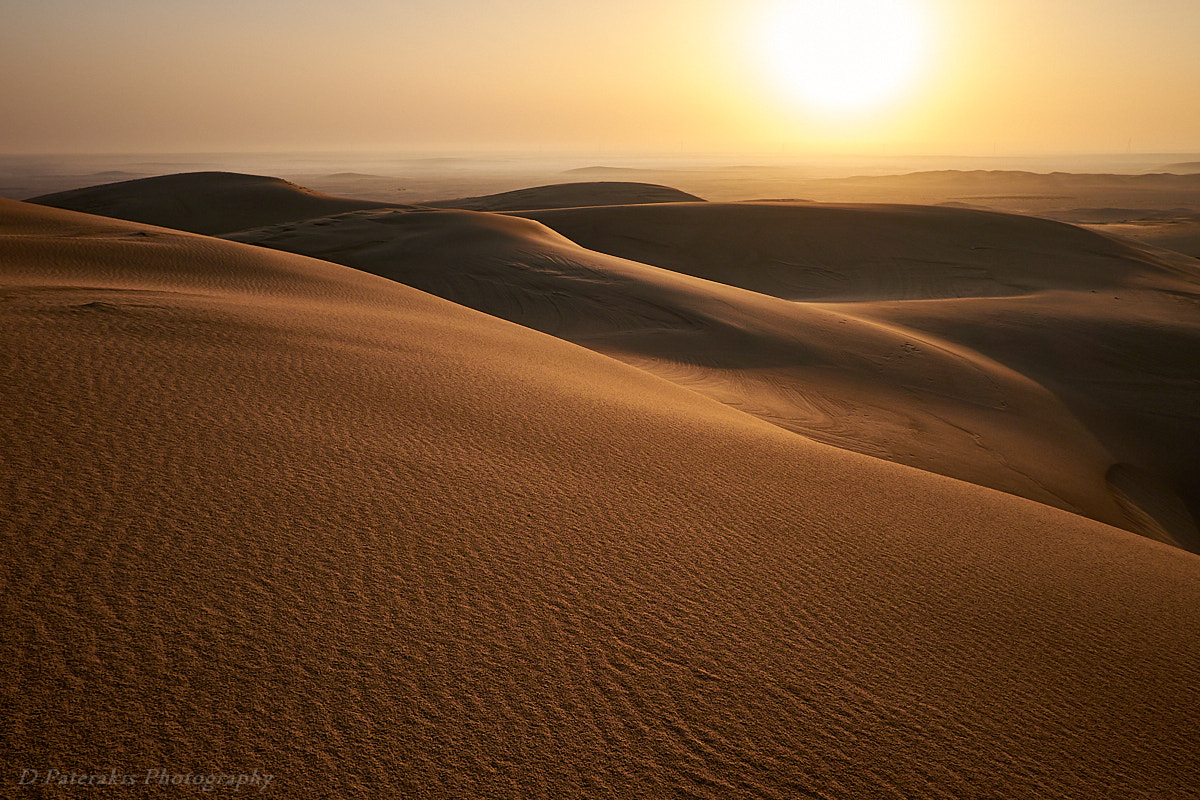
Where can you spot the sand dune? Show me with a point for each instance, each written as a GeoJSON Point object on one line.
{"type": "Point", "coordinates": [1055, 195]}
{"type": "Point", "coordinates": [203, 202]}
{"type": "Point", "coordinates": [1012, 188]}
{"type": "Point", "coordinates": [1068, 197]}
{"type": "Point", "coordinates": [267, 512]}
{"type": "Point", "coordinates": [860, 377]}
{"type": "Point", "coordinates": [1108, 327]}
{"type": "Point", "coordinates": [569, 195]}
{"type": "Point", "coordinates": [932, 385]}
{"type": "Point", "coordinates": [852, 252]}
{"type": "Point", "coordinates": [1125, 363]}
{"type": "Point", "coordinates": [1180, 233]}
{"type": "Point", "coordinates": [602, 170]}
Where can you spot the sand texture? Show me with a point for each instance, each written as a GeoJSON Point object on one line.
{"type": "Point", "coordinates": [265, 511]}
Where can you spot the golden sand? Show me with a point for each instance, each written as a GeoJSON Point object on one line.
{"type": "Point", "coordinates": [268, 512]}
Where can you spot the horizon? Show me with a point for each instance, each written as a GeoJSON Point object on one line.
{"type": "Point", "coordinates": [981, 78]}
{"type": "Point", "coordinates": [415, 176]}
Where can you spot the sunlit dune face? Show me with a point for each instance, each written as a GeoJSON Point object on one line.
{"type": "Point", "coordinates": [840, 57]}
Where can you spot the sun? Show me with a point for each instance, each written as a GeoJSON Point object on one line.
{"type": "Point", "coordinates": [841, 57]}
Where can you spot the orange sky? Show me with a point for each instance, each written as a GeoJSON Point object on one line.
{"type": "Point", "coordinates": [1004, 76]}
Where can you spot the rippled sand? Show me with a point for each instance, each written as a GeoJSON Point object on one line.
{"type": "Point", "coordinates": [266, 511]}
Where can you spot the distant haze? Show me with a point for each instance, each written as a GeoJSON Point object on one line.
{"type": "Point", "coordinates": [1002, 77]}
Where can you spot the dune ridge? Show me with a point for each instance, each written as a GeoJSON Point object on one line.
{"type": "Point", "coordinates": [909, 373]}
{"type": "Point", "coordinates": [722, 319]}
{"type": "Point", "coordinates": [268, 511]}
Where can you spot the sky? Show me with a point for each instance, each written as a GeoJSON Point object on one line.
{"type": "Point", "coordinates": [980, 77]}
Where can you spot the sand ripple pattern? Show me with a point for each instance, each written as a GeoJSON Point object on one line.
{"type": "Point", "coordinates": [292, 517]}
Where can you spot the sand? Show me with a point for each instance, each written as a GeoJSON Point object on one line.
{"type": "Point", "coordinates": [1180, 233]}
{"type": "Point", "coordinates": [203, 202]}
{"type": "Point", "coordinates": [723, 319]}
{"type": "Point", "coordinates": [569, 195]}
{"type": "Point", "coordinates": [268, 512]}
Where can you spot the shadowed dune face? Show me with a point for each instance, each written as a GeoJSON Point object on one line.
{"type": "Point", "coordinates": [1107, 327]}
{"type": "Point", "coordinates": [848, 252]}
{"type": "Point", "coordinates": [203, 202]}
{"type": "Point", "coordinates": [855, 375]}
{"type": "Point", "coordinates": [264, 511]}
{"type": "Point", "coordinates": [1125, 364]}
{"type": "Point", "coordinates": [570, 195]}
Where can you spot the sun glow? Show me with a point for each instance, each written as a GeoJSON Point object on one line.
{"type": "Point", "coordinates": [840, 57]}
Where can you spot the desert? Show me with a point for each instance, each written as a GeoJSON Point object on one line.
{"type": "Point", "coordinates": [692, 399]}
{"type": "Point", "coordinates": [706, 499]}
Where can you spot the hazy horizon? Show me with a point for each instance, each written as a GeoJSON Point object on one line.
{"type": "Point", "coordinates": [409, 177]}
{"type": "Point", "coordinates": [981, 78]}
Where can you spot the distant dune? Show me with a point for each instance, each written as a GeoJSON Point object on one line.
{"type": "Point", "coordinates": [1013, 180]}
{"type": "Point", "coordinates": [569, 195]}
{"type": "Point", "coordinates": [203, 202]}
{"type": "Point", "coordinates": [1052, 194]}
{"type": "Point", "coordinates": [1175, 229]}
{"type": "Point", "coordinates": [1045, 194]}
{"type": "Point", "coordinates": [600, 170]}
{"type": "Point", "coordinates": [114, 174]}
{"type": "Point", "coordinates": [853, 252]}
{"type": "Point", "coordinates": [1185, 167]}
{"type": "Point", "coordinates": [266, 511]}
{"type": "Point", "coordinates": [1131, 215]}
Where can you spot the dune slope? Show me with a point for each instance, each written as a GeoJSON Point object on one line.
{"type": "Point", "coordinates": [858, 381]}
{"type": "Point", "coordinates": [266, 512]}
{"type": "Point", "coordinates": [1106, 326]}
